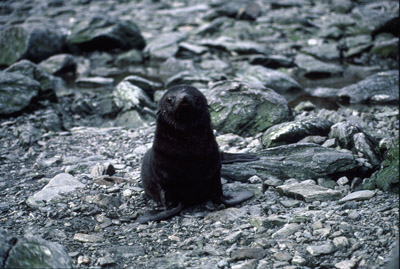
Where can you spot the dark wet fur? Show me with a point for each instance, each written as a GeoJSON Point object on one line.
{"type": "Point", "coordinates": [183, 166]}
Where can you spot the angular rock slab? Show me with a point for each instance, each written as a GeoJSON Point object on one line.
{"type": "Point", "coordinates": [34, 252]}
{"type": "Point", "coordinates": [60, 183]}
{"type": "Point", "coordinates": [358, 196]}
{"type": "Point", "coordinates": [245, 109]}
{"type": "Point", "coordinates": [382, 87]}
{"type": "Point", "coordinates": [290, 132]}
{"type": "Point", "coordinates": [16, 92]}
{"type": "Point", "coordinates": [301, 161]}
{"type": "Point", "coordinates": [309, 192]}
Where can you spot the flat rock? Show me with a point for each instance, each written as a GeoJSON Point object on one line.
{"type": "Point", "coordinates": [89, 82]}
{"type": "Point", "coordinates": [382, 87]}
{"type": "Point", "coordinates": [87, 238]}
{"type": "Point", "coordinates": [314, 68]}
{"type": "Point", "coordinates": [319, 250]}
{"type": "Point", "coordinates": [309, 192]}
{"type": "Point", "coordinates": [358, 196]}
{"type": "Point", "coordinates": [60, 183]}
{"type": "Point", "coordinates": [287, 230]}
{"type": "Point", "coordinates": [248, 253]}
{"type": "Point", "coordinates": [301, 161]}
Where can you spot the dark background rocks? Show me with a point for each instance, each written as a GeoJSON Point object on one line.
{"type": "Point", "coordinates": [309, 86]}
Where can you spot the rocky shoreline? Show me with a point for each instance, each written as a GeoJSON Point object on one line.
{"type": "Point", "coordinates": [310, 87]}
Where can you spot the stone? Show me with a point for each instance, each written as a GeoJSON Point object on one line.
{"type": "Point", "coordinates": [273, 221]}
{"type": "Point", "coordinates": [34, 252]}
{"type": "Point", "coordinates": [127, 96]}
{"type": "Point", "coordinates": [131, 57]}
{"type": "Point", "coordinates": [245, 109]}
{"type": "Point", "coordinates": [16, 92]}
{"type": "Point", "coordinates": [368, 147]}
{"type": "Point", "coordinates": [103, 32]}
{"type": "Point", "coordinates": [382, 87]}
{"type": "Point", "coordinates": [314, 68]}
{"type": "Point", "coordinates": [149, 87]}
{"type": "Point", "coordinates": [88, 238]}
{"type": "Point", "coordinates": [240, 10]}
{"type": "Point", "coordinates": [309, 192]}
{"type": "Point", "coordinates": [248, 253]}
{"type": "Point", "coordinates": [33, 41]}
{"type": "Point", "coordinates": [342, 181]}
{"type": "Point", "coordinates": [276, 80]}
{"type": "Point", "coordinates": [290, 203]}
{"type": "Point", "coordinates": [271, 61]}
{"type": "Point", "coordinates": [324, 52]}
{"type": "Point", "coordinates": [327, 183]}
{"type": "Point", "coordinates": [282, 256]}
{"type": "Point", "coordinates": [304, 106]}
{"type": "Point", "coordinates": [298, 260]}
{"type": "Point", "coordinates": [94, 82]}
{"type": "Point", "coordinates": [60, 183]}
{"type": "Point", "coordinates": [291, 132]}
{"type": "Point", "coordinates": [59, 64]}
{"type": "Point", "coordinates": [164, 46]}
{"type": "Point", "coordinates": [345, 264]}
{"type": "Point", "coordinates": [232, 45]}
{"type": "Point", "coordinates": [319, 250]}
{"type": "Point", "coordinates": [301, 161]}
{"type": "Point", "coordinates": [358, 196]}
{"type": "Point", "coordinates": [287, 230]}
{"type": "Point", "coordinates": [340, 242]}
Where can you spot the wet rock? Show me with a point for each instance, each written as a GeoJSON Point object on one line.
{"type": "Point", "coordinates": [16, 92]}
{"type": "Point", "coordinates": [324, 52]}
{"type": "Point", "coordinates": [244, 108]}
{"type": "Point", "coordinates": [368, 147]}
{"type": "Point", "coordinates": [93, 82]}
{"type": "Point", "coordinates": [187, 50]}
{"type": "Point", "coordinates": [34, 252]}
{"type": "Point", "coordinates": [309, 192]}
{"type": "Point", "coordinates": [345, 264]}
{"type": "Point", "coordinates": [276, 80]}
{"type": "Point", "coordinates": [48, 83]}
{"type": "Point", "coordinates": [358, 196]}
{"type": "Point", "coordinates": [382, 87]}
{"type": "Point", "coordinates": [164, 46]}
{"type": "Point", "coordinates": [61, 183]}
{"type": "Point", "coordinates": [104, 33]}
{"type": "Point", "coordinates": [292, 132]}
{"type": "Point", "coordinates": [33, 41]}
{"type": "Point", "coordinates": [313, 68]}
{"type": "Point", "coordinates": [386, 48]}
{"type": "Point", "coordinates": [149, 87]}
{"type": "Point", "coordinates": [301, 161]}
{"type": "Point", "coordinates": [304, 106]}
{"type": "Point", "coordinates": [59, 64]}
{"type": "Point", "coordinates": [356, 45]}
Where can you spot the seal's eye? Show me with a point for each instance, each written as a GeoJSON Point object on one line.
{"type": "Point", "coordinates": [169, 100]}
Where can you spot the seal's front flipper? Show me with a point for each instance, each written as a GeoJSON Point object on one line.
{"type": "Point", "coordinates": [156, 215]}
{"type": "Point", "coordinates": [227, 158]}
{"type": "Point", "coordinates": [234, 198]}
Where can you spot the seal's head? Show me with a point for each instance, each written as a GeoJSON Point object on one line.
{"type": "Point", "coordinates": [183, 107]}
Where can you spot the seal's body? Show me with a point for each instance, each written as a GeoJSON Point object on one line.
{"type": "Point", "coordinates": [183, 166]}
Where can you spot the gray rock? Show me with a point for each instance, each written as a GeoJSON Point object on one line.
{"type": "Point", "coordinates": [319, 250]}
{"type": "Point", "coordinates": [34, 252]}
{"type": "Point", "coordinates": [292, 132]}
{"type": "Point", "coordinates": [386, 48]}
{"type": "Point", "coordinates": [16, 92]}
{"type": "Point", "coordinates": [345, 264]}
{"type": "Point", "coordinates": [88, 238]}
{"type": "Point", "coordinates": [164, 46]}
{"type": "Point", "coordinates": [61, 183]}
{"type": "Point", "coordinates": [146, 85]}
{"type": "Point", "coordinates": [368, 147]}
{"type": "Point", "coordinates": [191, 48]}
{"type": "Point", "coordinates": [248, 253]}
{"type": "Point", "coordinates": [59, 64]}
{"type": "Point", "coordinates": [127, 96]}
{"type": "Point", "coordinates": [48, 83]}
{"type": "Point", "coordinates": [303, 161]}
{"type": "Point", "coordinates": [103, 32]}
{"type": "Point", "coordinates": [239, 46]}
{"type": "Point", "coordinates": [271, 61]}
{"type": "Point", "coordinates": [290, 203]}
{"type": "Point", "coordinates": [344, 132]}
{"type": "Point", "coordinates": [131, 57]}
{"type": "Point", "coordinates": [134, 119]}
{"type": "Point", "coordinates": [358, 196]}
{"type": "Point", "coordinates": [309, 192]}
{"type": "Point", "coordinates": [323, 92]}
{"type": "Point", "coordinates": [314, 68]}
{"type": "Point", "coordinates": [94, 82]}
{"type": "Point", "coordinates": [276, 80]}
{"type": "Point", "coordinates": [273, 221]}
{"type": "Point", "coordinates": [239, 10]}
{"type": "Point", "coordinates": [382, 87]}
{"type": "Point", "coordinates": [287, 230]}
{"type": "Point", "coordinates": [304, 106]}
{"type": "Point", "coordinates": [34, 41]}
{"type": "Point", "coordinates": [324, 52]}
{"type": "Point", "coordinates": [5, 246]}
{"type": "Point", "coordinates": [244, 108]}
{"type": "Point", "coordinates": [340, 242]}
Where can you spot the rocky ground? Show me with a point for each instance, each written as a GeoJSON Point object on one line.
{"type": "Point", "coordinates": [309, 86]}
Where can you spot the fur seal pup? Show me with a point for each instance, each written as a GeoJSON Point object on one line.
{"type": "Point", "coordinates": [183, 166]}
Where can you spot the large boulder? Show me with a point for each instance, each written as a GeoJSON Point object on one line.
{"type": "Point", "coordinates": [33, 41]}
{"type": "Point", "coordinates": [244, 108]}
{"type": "Point", "coordinates": [16, 92]}
{"type": "Point", "coordinates": [105, 33]}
